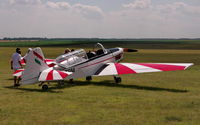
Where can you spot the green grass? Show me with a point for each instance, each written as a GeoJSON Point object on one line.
{"type": "Point", "coordinates": [166, 98]}
{"type": "Point", "coordinates": [136, 43]}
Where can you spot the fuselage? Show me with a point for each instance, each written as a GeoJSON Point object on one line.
{"type": "Point", "coordinates": [92, 65]}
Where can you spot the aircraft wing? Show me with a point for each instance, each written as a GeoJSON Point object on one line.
{"type": "Point", "coordinates": [131, 68]}
{"type": "Point", "coordinates": [53, 75]}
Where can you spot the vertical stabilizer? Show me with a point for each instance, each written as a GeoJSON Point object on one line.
{"type": "Point", "coordinates": [35, 63]}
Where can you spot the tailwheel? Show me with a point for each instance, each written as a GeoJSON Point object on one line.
{"type": "Point", "coordinates": [45, 87]}
{"type": "Point", "coordinates": [117, 79]}
{"type": "Point", "coordinates": [89, 78]}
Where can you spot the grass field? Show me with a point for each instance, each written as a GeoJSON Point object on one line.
{"type": "Point", "coordinates": [167, 98]}
{"type": "Point", "coordinates": [136, 43]}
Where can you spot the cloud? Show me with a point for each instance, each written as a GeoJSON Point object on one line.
{"type": "Point", "coordinates": [138, 4]}
{"type": "Point", "coordinates": [170, 8]}
{"type": "Point", "coordinates": [178, 7]}
{"type": "Point", "coordinates": [147, 19]}
{"type": "Point", "coordinates": [87, 11]}
{"type": "Point", "coordinates": [92, 12]}
{"type": "Point", "coordinates": [140, 18]}
{"type": "Point", "coordinates": [58, 5]}
{"type": "Point", "coordinates": [25, 2]}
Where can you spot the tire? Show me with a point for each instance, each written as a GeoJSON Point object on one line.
{"type": "Point", "coordinates": [118, 79]}
{"type": "Point", "coordinates": [45, 87]}
{"type": "Point", "coordinates": [89, 78]}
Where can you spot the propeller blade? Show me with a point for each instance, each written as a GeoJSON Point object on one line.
{"type": "Point", "coordinates": [130, 50]}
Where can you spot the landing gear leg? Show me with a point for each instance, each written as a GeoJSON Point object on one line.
{"type": "Point", "coordinates": [117, 79]}
{"type": "Point", "coordinates": [41, 84]}
{"type": "Point", "coordinates": [89, 78]}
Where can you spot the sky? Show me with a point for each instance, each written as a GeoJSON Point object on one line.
{"type": "Point", "coordinates": [100, 18]}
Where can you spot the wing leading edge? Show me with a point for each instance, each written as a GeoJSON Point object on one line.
{"type": "Point", "coordinates": [131, 68]}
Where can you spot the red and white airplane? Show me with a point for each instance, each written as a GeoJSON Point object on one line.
{"type": "Point", "coordinates": [79, 64]}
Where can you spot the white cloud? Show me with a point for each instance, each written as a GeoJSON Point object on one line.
{"type": "Point", "coordinates": [141, 18]}
{"type": "Point", "coordinates": [138, 4]}
{"type": "Point", "coordinates": [170, 8]}
{"type": "Point", "coordinates": [179, 7]}
{"type": "Point", "coordinates": [24, 1]}
{"type": "Point", "coordinates": [58, 5]}
{"type": "Point", "coordinates": [92, 12]}
{"type": "Point", "coordinates": [145, 19]}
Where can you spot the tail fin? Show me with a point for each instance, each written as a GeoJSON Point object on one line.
{"type": "Point", "coordinates": [35, 63]}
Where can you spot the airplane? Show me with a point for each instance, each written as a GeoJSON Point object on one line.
{"type": "Point", "coordinates": [79, 64]}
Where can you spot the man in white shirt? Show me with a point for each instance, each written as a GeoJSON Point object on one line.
{"type": "Point", "coordinates": [16, 64]}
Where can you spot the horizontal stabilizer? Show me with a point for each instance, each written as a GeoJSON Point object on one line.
{"type": "Point", "coordinates": [53, 75]}
{"type": "Point", "coordinates": [18, 72]}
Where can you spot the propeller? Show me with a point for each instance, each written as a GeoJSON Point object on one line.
{"type": "Point", "coordinates": [130, 50]}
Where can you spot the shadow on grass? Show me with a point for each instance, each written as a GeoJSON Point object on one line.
{"type": "Point", "coordinates": [50, 90]}
{"type": "Point", "coordinates": [53, 88]}
{"type": "Point", "coordinates": [138, 87]}
{"type": "Point", "coordinates": [10, 79]}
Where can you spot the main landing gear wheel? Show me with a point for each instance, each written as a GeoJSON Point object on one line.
{"type": "Point", "coordinates": [117, 79]}
{"type": "Point", "coordinates": [89, 78]}
{"type": "Point", "coordinates": [45, 87]}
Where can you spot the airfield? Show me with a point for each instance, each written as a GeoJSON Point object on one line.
{"type": "Point", "coordinates": [162, 98]}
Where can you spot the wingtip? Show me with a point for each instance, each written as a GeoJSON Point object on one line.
{"type": "Point", "coordinates": [188, 65]}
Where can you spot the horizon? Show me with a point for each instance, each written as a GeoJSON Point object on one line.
{"type": "Point", "coordinates": [63, 38]}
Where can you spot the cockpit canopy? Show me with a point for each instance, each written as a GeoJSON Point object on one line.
{"type": "Point", "coordinates": [71, 58]}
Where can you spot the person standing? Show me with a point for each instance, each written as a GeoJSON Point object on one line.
{"type": "Point", "coordinates": [16, 64]}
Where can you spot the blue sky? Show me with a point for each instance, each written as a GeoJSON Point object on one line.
{"type": "Point", "coordinates": [100, 18]}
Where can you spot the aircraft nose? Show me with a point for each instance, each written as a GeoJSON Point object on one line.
{"type": "Point", "coordinates": [119, 54]}
{"type": "Point", "coordinates": [121, 50]}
